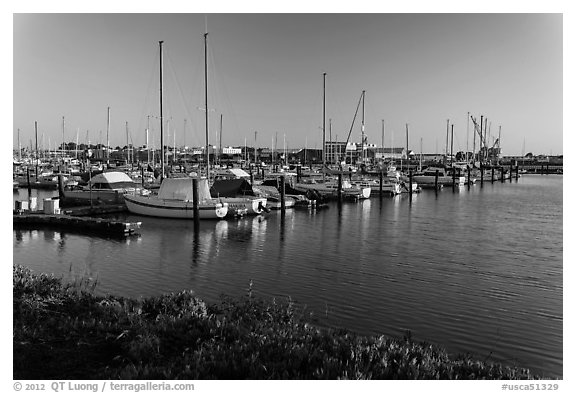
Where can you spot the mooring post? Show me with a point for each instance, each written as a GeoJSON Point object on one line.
{"type": "Point", "coordinates": [492, 177]}
{"type": "Point", "coordinates": [339, 187]}
{"type": "Point", "coordinates": [410, 183]}
{"type": "Point", "coordinates": [381, 181]}
{"type": "Point", "coordinates": [468, 169]}
{"type": "Point", "coordinates": [251, 176]}
{"type": "Point", "coordinates": [28, 182]}
{"type": "Point", "coordinates": [142, 175]}
{"type": "Point", "coordinates": [453, 178]}
{"type": "Point", "coordinates": [436, 180]}
{"type": "Point", "coordinates": [542, 170]}
{"type": "Point", "coordinates": [502, 174]}
{"type": "Point", "coordinates": [511, 171]}
{"type": "Point", "coordinates": [61, 186]}
{"type": "Point", "coordinates": [517, 172]}
{"type": "Point", "coordinates": [282, 196]}
{"type": "Point", "coordinates": [90, 184]}
{"type": "Point", "coordinates": [195, 205]}
{"type": "Point", "coordinates": [547, 169]}
{"type": "Point", "coordinates": [298, 174]}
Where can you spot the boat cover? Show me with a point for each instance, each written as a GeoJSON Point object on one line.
{"type": "Point", "coordinates": [231, 188]}
{"type": "Point", "coordinates": [181, 189]}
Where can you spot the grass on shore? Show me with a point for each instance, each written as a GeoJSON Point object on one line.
{"type": "Point", "coordinates": [66, 332]}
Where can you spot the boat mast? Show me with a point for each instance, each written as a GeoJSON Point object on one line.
{"type": "Point", "coordinates": [161, 121]}
{"type": "Point", "coordinates": [108, 138]}
{"type": "Point", "coordinates": [362, 128]}
{"type": "Point", "coordinates": [206, 103]}
{"type": "Point", "coordinates": [323, 126]}
{"type": "Point", "coordinates": [447, 132]}
{"type": "Point", "coordinates": [382, 140]}
{"type": "Point", "coordinates": [220, 141]}
{"type": "Point", "coordinates": [452, 147]}
{"type": "Point", "coordinates": [467, 134]}
{"type": "Point", "coordinates": [63, 143]}
{"type": "Point", "coordinates": [331, 145]}
{"type": "Point", "coordinates": [19, 148]}
{"type": "Point", "coordinates": [407, 152]}
{"type": "Point", "coordinates": [36, 136]}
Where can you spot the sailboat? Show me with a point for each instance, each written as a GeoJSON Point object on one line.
{"type": "Point", "coordinates": [238, 204]}
{"type": "Point", "coordinates": [175, 198]}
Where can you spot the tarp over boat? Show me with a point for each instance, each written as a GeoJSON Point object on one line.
{"type": "Point", "coordinates": [231, 188]}
{"type": "Point", "coordinates": [181, 189]}
{"type": "Point", "coordinates": [112, 180]}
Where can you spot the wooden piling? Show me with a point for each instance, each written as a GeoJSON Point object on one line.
{"type": "Point", "coordinates": [142, 175]}
{"type": "Point", "coordinates": [502, 174]}
{"type": "Point", "coordinates": [195, 204]}
{"type": "Point", "coordinates": [28, 182]}
{"type": "Point", "coordinates": [381, 181]}
{"type": "Point", "coordinates": [339, 187]}
{"type": "Point", "coordinates": [410, 183]}
{"type": "Point", "coordinates": [61, 186]}
{"type": "Point", "coordinates": [468, 169]}
{"type": "Point", "coordinates": [282, 196]}
{"type": "Point", "coordinates": [511, 171]}
{"type": "Point", "coordinates": [453, 178]}
{"type": "Point", "coordinates": [436, 180]}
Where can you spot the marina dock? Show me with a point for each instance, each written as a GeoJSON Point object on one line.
{"type": "Point", "coordinates": [89, 225]}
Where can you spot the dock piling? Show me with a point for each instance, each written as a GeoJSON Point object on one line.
{"type": "Point", "coordinates": [410, 183]}
{"type": "Point", "coordinates": [282, 196]}
{"type": "Point", "coordinates": [195, 205]}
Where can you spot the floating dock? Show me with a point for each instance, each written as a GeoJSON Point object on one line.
{"type": "Point", "coordinates": [89, 225]}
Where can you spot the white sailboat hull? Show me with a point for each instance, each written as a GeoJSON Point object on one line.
{"type": "Point", "coordinates": [166, 208]}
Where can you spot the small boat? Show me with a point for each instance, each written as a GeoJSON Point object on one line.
{"type": "Point", "coordinates": [175, 200]}
{"type": "Point", "coordinates": [239, 195]}
{"type": "Point", "coordinates": [329, 188]}
{"type": "Point", "coordinates": [428, 178]}
{"type": "Point", "coordinates": [106, 187]}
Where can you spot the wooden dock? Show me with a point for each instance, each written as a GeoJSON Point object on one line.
{"type": "Point", "coordinates": [88, 225]}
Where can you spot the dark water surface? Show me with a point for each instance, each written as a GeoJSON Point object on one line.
{"type": "Point", "coordinates": [477, 271]}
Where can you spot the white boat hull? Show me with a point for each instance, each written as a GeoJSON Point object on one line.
{"type": "Point", "coordinates": [165, 208]}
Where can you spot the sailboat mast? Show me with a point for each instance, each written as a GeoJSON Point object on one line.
{"type": "Point", "coordinates": [206, 103]}
{"type": "Point", "coordinates": [447, 132]}
{"type": "Point", "coordinates": [161, 121]}
{"type": "Point", "coordinates": [323, 125]}
{"type": "Point", "coordinates": [331, 145]}
{"type": "Point", "coordinates": [220, 141]}
{"type": "Point", "coordinates": [382, 140]}
{"type": "Point", "coordinates": [363, 113]}
{"type": "Point", "coordinates": [467, 134]}
{"type": "Point", "coordinates": [108, 137]}
{"type": "Point", "coordinates": [407, 152]}
{"type": "Point", "coordinates": [63, 143]}
{"type": "Point", "coordinates": [36, 136]}
{"type": "Point", "coordinates": [19, 148]}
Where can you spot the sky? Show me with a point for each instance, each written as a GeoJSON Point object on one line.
{"type": "Point", "coordinates": [265, 78]}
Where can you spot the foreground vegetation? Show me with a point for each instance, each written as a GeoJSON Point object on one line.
{"type": "Point", "coordinates": [67, 332]}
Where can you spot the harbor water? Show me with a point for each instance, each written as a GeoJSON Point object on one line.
{"type": "Point", "coordinates": [477, 271]}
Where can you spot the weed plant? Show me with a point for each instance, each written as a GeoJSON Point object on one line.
{"type": "Point", "coordinates": [66, 332]}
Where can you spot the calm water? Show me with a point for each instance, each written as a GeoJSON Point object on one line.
{"type": "Point", "coordinates": [478, 271]}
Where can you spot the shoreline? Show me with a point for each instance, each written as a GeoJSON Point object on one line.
{"type": "Point", "coordinates": [63, 331]}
